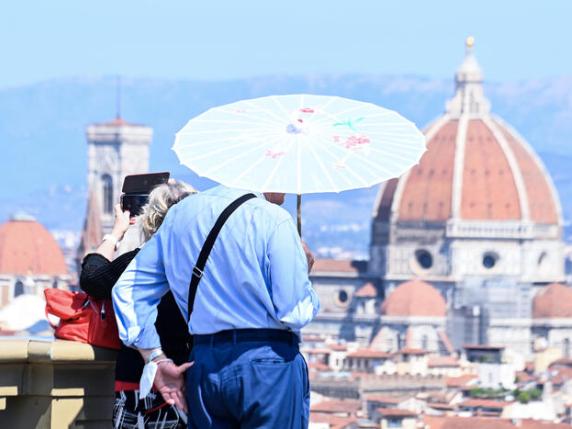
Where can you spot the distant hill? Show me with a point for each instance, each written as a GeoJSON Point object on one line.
{"type": "Point", "coordinates": [42, 126]}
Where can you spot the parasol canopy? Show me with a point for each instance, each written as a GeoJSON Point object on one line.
{"type": "Point", "coordinates": [299, 144]}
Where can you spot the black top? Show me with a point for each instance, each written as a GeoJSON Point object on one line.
{"type": "Point", "coordinates": [98, 276]}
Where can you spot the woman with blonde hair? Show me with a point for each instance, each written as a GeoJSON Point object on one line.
{"type": "Point", "coordinates": [98, 275]}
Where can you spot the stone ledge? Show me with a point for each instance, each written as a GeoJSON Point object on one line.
{"type": "Point", "coordinates": [55, 384]}
{"type": "Point", "coordinates": [52, 351]}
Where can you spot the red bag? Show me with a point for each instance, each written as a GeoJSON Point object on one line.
{"type": "Point", "coordinates": [83, 318]}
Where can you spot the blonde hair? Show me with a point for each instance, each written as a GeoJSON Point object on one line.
{"type": "Point", "coordinates": [160, 201]}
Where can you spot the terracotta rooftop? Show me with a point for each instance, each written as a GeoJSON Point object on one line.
{"type": "Point", "coordinates": [395, 412]}
{"type": "Point", "coordinates": [318, 366]}
{"type": "Point", "coordinates": [483, 403]}
{"type": "Point", "coordinates": [334, 422]}
{"type": "Point", "coordinates": [410, 351]}
{"type": "Point", "coordinates": [346, 406]}
{"type": "Point", "coordinates": [524, 377]}
{"type": "Point", "coordinates": [440, 422]}
{"type": "Point", "coordinates": [334, 266]}
{"type": "Point", "coordinates": [560, 375]}
{"type": "Point", "coordinates": [553, 301]}
{"type": "Point", "coordinates": [368, 290]}
{"type": "Point", "coordinates": [27, 248]}
{"type": "Point", "coordinates": [443, 362]}
{"type": "Point", "coordinates": [338, 347]}
{"type": "Point", "coordinates": [415, 298]}
{"type": "Point", "coordinates": [461, 381]}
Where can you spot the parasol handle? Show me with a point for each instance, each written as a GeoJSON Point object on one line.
{"type": "Point", "coordinates": [299, 210]}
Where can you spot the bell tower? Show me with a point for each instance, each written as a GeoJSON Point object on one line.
{"type": "Point", "coordinates": [115, 149]}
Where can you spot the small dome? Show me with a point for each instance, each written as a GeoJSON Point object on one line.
{"type": "Point", "coordinates": [415, 298]}
{"type": "Point", "coordinates": [27, 248]}
{"type": "Point", "coordinates": [552, 302]}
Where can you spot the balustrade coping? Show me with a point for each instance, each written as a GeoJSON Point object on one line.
{"type": "Point", "coordinates": [43, 350]}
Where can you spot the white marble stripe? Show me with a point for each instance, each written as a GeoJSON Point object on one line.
{"type": "Point", "coordinates": [459, 166]}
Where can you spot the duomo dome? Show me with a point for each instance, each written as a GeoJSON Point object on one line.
{"type": "Point", "coordinates": [480, 202]}
{"type": "Point", "coordinates": [466, 247]}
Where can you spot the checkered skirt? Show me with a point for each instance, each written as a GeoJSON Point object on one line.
{"type": "Point", "coordinates": [131, 412]}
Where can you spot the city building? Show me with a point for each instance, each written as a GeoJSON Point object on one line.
{"type": "Point", "coordinates": [30, 259]}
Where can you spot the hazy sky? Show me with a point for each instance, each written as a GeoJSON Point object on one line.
{"type": "Point", "coordinates": [215, 39]}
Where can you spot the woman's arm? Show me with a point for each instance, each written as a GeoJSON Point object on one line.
{"type": "Point", "coordinates": [98, 273]}
{"type": "Point", "coordinates": [120, 226]}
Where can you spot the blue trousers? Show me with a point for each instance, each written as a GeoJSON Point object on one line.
{"type": "Point", "coordinates": [247, 385]}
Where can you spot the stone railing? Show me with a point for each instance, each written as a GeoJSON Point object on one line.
{"type": "Point", "coordinates": [55, 385]}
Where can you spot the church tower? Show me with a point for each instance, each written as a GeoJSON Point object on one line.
{"type": "Point", "coordinates": [115, 149]}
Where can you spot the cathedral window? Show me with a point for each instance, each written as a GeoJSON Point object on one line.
{"type": "Point", "coordinates": [18, 288]}
{"type": "Point", "coordinates": [107, 185]}
{"type": "Point", "coordinates": [490, 259]}
{"type": "Point", "coordinates": [343, 297]}
{"type": "Point", "coordinates": [424, 259]}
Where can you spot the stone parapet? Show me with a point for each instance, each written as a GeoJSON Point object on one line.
{"type": "Point", "coordinates": [55, 384]}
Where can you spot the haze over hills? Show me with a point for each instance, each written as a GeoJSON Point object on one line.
{"type": "Point", "coordinates": [44, 153]}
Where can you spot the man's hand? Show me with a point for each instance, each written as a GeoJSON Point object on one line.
{"type": "Point", "coordinates": [170, 382]}
{"type": "Point", "coordinates": [309, 256]}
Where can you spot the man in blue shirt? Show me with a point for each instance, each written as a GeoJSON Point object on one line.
{"type": "Point", "coordinates": [253, 299]}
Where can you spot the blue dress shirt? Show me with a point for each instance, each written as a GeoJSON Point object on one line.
{"type": "Point", "coordinates": [256, 275]}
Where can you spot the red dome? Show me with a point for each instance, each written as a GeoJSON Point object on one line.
{"type": "Point", "coordinates": [553, 302]}
{"type": "Point", "coordinates": [476, 168]}
{"type": "Point", "coordinates": [27, 248]}
{"type": "Point", "coordinates": [499, 178]}
{"type": "Point", "coordinates": [415, 298]}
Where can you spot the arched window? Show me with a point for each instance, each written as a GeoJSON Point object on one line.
{"type": "Point", "coordinates": [107, 192]}
{"type": "Point", "coordinates": [18, 288]}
